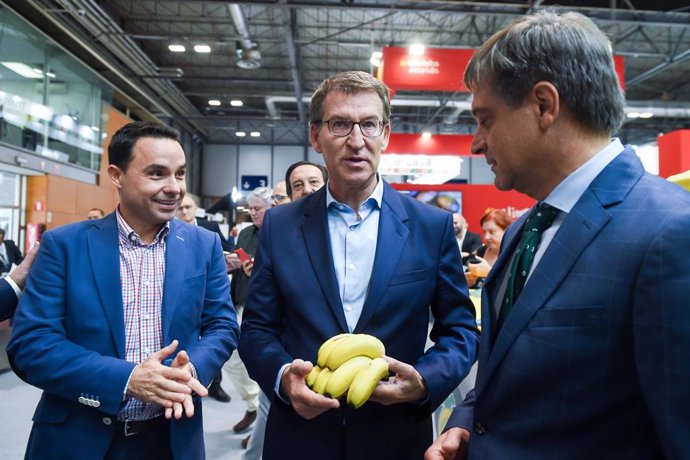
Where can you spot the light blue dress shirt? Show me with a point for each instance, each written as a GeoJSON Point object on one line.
{"type": "Point", "coordinates": [353, 237]}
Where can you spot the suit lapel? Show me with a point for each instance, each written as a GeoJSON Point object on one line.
{"type": "Point", "coordinates": [392, 235]}
{"type": "Point", "coordinates": [104, 255]}
{"type": "Point", "coordinates": [587, 218]}
{"type": "Point", "coordinates": [175, 262]}
{"type": "Point", "coordinates": [315, 233]}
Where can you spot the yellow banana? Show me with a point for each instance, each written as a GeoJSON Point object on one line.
{"type": "Point", "coordinates": [326, 348]}
{"type": "Point", "coordinates": [356, 345]}
{"type": "Point", "coordinates": [322, 381]}
{"type": "Point", "coordinates": [342, 377]}
{"type": "Point", "coordinates": [311, 376]}
{"type": "Point", "coordinates": [365, 381]}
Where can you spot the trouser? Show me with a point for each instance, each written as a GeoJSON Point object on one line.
{"type": "Point", "coordinates": [247, 388]}
{"type": "Point", "coordinates": [256, 442]}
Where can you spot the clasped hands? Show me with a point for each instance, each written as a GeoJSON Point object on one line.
{"type": "Point", "coordinates": [169, 387]}
{"type": "Point", "coordinates": [406, 386]}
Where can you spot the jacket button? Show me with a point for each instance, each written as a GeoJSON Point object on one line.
{"type": "Point", "coordinates": [480, 428]}
{"type": "Point", "coordinates": [107, 420]}
{"type": "Point", "coordinates": [82, 400]}
{"type": "Point", "coordinates": [96, 403]}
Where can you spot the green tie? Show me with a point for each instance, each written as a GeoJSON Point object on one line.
{"type": "Point", "coordinates": [541, 218]}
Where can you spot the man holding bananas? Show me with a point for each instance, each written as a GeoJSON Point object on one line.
{"type": "Point", "coordinates": [355, 257]}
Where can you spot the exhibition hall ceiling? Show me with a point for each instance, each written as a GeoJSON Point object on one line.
{"type": "Point", "coordinates": [270, 55]}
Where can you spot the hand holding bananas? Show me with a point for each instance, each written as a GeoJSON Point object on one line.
{"type": "Point", "coordinates": [351, 363]}
{"type": "Point", "coordinates": [304, 401]}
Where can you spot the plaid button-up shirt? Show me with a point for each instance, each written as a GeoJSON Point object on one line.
{"type": "Point", "coordinates": [142, 273]}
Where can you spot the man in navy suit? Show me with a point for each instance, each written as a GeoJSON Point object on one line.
{"type": "Point", "coordinates": [11, 286]}
{"type": "Point", "coordinates": [126, 318]}
{"type": "Point", "coordinates": [355, 256]}
{"type": "Point", "coordinates": [591, 360]}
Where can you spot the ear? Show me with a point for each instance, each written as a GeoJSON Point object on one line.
{"type": "Point", "coordinates": [386, 136]}
{"type": "Point", "coordinates": [115, 174]}
{"type": "Point", "coordinates": [314, 137]}
{"type": "Point", "coordinates": [548, 102]}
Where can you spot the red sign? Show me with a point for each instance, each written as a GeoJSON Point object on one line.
{"type": "Point", "coordinates": [438, 69]}
{"type": "Point", "coordinates": [438, 144]}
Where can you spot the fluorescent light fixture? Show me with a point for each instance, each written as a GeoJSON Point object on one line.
{"type": "Point", "coordinates": [426, 135]}
{"type": "Point", "coordinates": [236, 103]}
{"type": "Point", "coordinates": [240, 133]}
{"type": "Point", "coordinates": [214, 102]}
{"type": "Point", "coordinates": [646, 114]}
{"type": "Point", "coordinates": [633, 114]}
{"type": "Point", "coordinates": [177, 48]}
{"type": "Point", "coordinates": [375, 59]}
{"type": "Point", "coordinates": [416, 49]}
{"type": "Point", "coordinates": [202, 48]}
{"type": "Point", "coordinates": [24, 70]}
{"type": "Point", "coordinates": [50, 74]}
{"type": "Point", "coordinates": [255, 134]}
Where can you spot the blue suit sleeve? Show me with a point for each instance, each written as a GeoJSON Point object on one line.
{"type": "Point", "coordinates": [8, 300]}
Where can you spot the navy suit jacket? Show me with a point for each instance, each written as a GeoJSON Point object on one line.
{"type": "Point", "coordinates": [8, 300]}
{"type": "Point", "coordinates": [69, 335]}
{"type": "Point", "coordinates": [215, 228]}
{"type": "Point", "coordinates": [294, 305]}
{"type": "Point", "coordinates": [592, 360]}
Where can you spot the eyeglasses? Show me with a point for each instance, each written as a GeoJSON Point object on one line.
{"type": "Point", "coordinates": [278, 197]}
{"type": "Point", "coordinates": [371, 127]}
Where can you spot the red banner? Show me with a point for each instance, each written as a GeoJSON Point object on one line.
{"type": "Point", "coordinates": [438, 69]}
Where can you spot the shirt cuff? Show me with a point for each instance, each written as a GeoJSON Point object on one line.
{"type": "Point", "coordinates": [124, 393]}
{"type": "Point", "coordinates": [276, 388]}
{"type": "Point", "coordinates": [194, 374]}
{"type": "Point", "coordinates": [14, 286]}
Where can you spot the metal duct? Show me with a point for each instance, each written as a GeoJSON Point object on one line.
{"type": "Point", "coordinates": [247, 50]}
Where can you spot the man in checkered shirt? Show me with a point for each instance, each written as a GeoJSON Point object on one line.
{"type": "Point", "coordinates": [125, 319]}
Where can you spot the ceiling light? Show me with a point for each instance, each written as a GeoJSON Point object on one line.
{"type": "Point", "coordinates": [417, 49]}
{"type": "Point", "coordinates": [426, 135]}
{"type": "Point", "coordinates": [50, 74]}
{"type": "Point", "coordinates": [214, 102]}
{"type": "Point", "coordinates": [236, 103]}
{"type": "Point", "coordinates": [177, 48]}
{"type": "Point", "coordinates": [633, 114]}
{"type": "Point", "coordinates": [375, 59]}
{"type": "Point", "coordinates": [255, 134]}
{"type": "Point", "coordinates": [646, 114]}
{"type": "Point", "coordinates": [202, 48]}
{"type": "Point", "coordinates": [24, 70]}
{"type": "Point", "coordinates": [240, 133]}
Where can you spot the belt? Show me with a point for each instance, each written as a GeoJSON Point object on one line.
{"type": "Point", "coordinates": [133, 427]}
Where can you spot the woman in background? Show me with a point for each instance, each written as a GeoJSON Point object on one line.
{"type": "Point", "coordinates": [494, 223]}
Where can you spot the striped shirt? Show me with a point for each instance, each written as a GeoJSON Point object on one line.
{"type": "Point", "coordinates": [142, 273]}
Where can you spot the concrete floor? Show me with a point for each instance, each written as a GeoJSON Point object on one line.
{"type": "Point", "coordinates": [18, 401]}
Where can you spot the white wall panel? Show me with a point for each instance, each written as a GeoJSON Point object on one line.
{"type": "Point", "coordinates": [219, 169]}
{"type": "Point", "coordinates": [283, 157]}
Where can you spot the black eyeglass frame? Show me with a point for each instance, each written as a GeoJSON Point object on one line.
{"type": "Point", "coordinates": [381, 127]}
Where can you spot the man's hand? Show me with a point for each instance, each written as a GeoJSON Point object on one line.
{"type": "Point", "coordinates": [155, 383]}
{"type": "Point", "coordinates": [407, 385]}
{"type": "Point", "coordinates": [22, 271]}
{"type": "Point", "coordinates": [232, 262]}
{"type": "Point", "coordinates": [451, 445]}
{"type": "Point", "coordinates": [247, 267]}
{"type": "Point", "coordinates": [181, 361]}
{"type": "Point", "coordinates": [306, 403]}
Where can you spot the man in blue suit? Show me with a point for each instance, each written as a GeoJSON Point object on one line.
{"type": "Point", "coordinates": [124, 318]}
{"type": "Point", "coordinates": [355, 256]}
{"type": "Point", "coordinates": [591, 360]}
{"type": "Point", "coordinates": [12, 285]}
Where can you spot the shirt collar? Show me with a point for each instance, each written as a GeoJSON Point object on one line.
{"type": "Point", "coordinates": [128, 234]}
{"type": "Point", "coordinates": [569, 191]}
{"type": "Point", "coordinates": [376, 195]}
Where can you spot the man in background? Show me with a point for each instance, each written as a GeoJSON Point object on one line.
{"type": "Point", "coordinates": [187, 213]}
{"type": "Point", "coordinates": [11, 286]}
{"type": "Point", "coordinates": [468, 242]}
{"type": "Point", "coordinates": [94, 213]}
{"type": "Point", "coordinates": [280, 194]}
{"type": "Point", "coordinates": [125, 319]}
{"type": "Point", "coordinates": [9, 253]}
{"type": "Point", "coordinates": [586, 329]}
{"type": "Point", "coordinates": [304, 178]}
{"type": "Point", "coordinates": [355, 256]}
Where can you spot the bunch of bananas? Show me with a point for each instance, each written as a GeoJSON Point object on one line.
{"type": "Point", "coordinates": [349, 363]}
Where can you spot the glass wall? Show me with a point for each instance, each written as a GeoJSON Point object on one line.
{"type": "Point", "coordinates": [50, 103]}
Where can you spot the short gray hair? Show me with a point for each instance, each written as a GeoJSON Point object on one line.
{"type": "Point", "coordinates": [261, 193]}
{"type": "Point", "coordinates": [566, 49]}
{"type": "Point", "coordinates": [351, 82]}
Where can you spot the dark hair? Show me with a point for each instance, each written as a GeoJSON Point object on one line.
{"type": "Point", "coordinates": [351, 82]}
{"type": "Point", "coordinates": [2, 231]}
{"type": "Point", "coordinates": [123, 141]}
{"type": "Point", "coordinates": [566, 49]}
{"type": "Point", "coordinates": [499, 216]}
{"type": "Point", "coordinates": [293, 166]}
